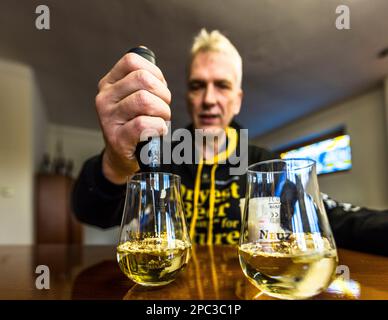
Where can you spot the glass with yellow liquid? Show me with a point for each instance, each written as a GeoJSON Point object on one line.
{"type": "Point", "coordinates": [154, 242]}
{"type": "Point", "coordinates": [286, 246]}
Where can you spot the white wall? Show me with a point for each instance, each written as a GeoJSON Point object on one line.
{"type": "Point", "coordinates": [20, 150]}
{"type": "Point", "coordinates": [364, 118]}
{"type": "Point", "coordinates": [386, 107]}
{"type": "Point", "coordinates": [40, 125]}
{"type": "Point", "coordinates": [79, 144]}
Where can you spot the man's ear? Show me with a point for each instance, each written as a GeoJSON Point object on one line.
{"type": "Point", "coordinates": [237, 108]}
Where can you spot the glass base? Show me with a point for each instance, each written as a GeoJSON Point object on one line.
{"type": "Point", "coordinates": [153, 284]}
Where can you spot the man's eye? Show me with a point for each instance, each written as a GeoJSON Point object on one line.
{"type": "Point", "coordinates": [223, 85]}
{"type": "Point", "coordinates": [194, 86]}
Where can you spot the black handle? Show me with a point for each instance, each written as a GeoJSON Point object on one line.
{"type": "Point", "coordinates": [145, 53]}
{"type": "Point", "coordinates": [154, 144]}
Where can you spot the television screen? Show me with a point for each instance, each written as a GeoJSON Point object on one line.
{"type": "Point", "coordinates": [331, 155]}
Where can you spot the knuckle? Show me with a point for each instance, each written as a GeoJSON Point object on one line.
{"type": "Point", "coordinates": [145, 79]}
{"type": "Point", "coordinates": [129, 60]}
{"type": "Point", "coordinates": [100, 100]}
{"type": "Point", "coordinates": [101, 84]}
{"type": "Point", "coordinates": [143, 98]}
{"type": "Point", "coordinates": [168, 96]}
{"type": "Point", "coordinates": [164, 113]}
{"type": "Point", "coordinates": [139, 125]}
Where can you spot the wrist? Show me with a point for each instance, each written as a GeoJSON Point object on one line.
{"type": "Point", "coordinates": [114, 173]}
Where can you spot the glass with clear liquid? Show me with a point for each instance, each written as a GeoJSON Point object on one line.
{"type": "Point", "coordinates": [154, 244]}
{"type": "Point", "coordinates": [286, 246]}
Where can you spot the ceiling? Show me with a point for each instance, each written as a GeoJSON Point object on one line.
{"type": "Point", "coordinates": [295, 60]}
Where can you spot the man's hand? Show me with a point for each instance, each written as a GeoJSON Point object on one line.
{"type": "Point", "coordinates": [133, 97]}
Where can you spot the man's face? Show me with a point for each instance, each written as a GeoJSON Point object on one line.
{"type": "Point", "coordinates": [214, 96]}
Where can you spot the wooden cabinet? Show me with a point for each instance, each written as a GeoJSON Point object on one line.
{"type": "Point", "coordinates": [54, 220]}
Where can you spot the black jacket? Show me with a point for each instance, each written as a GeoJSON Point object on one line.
{"type": "Point", "coordinates": [216, 202]}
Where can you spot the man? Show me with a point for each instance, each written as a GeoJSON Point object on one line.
{"type": "Point", "coordinates": [133, 97]}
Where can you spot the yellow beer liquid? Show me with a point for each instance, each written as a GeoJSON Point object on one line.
{"type": "Point", "coordinates": [284, 270]}
{"type": "Point", "coordinates": [153, 261]}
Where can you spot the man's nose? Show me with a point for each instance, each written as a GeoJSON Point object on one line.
{"type": "Point", "coordinates": [210, 96]}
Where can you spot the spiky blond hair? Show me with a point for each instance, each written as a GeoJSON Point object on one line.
{"type": "Point", "coordinates": [215, 41]}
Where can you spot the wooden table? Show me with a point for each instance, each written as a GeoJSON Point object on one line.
{"type": "Point", "coordinates": [214, 272]}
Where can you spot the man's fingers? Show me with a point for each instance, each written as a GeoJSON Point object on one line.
{"type": "Point", "coordinates": [141, 102]}
{"type": "Point", "coordinates": [127, 64]}
{"type": "Point", "coordinates": [139, 129]}
{"type": "Point", "coordinates": [138, 80]}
